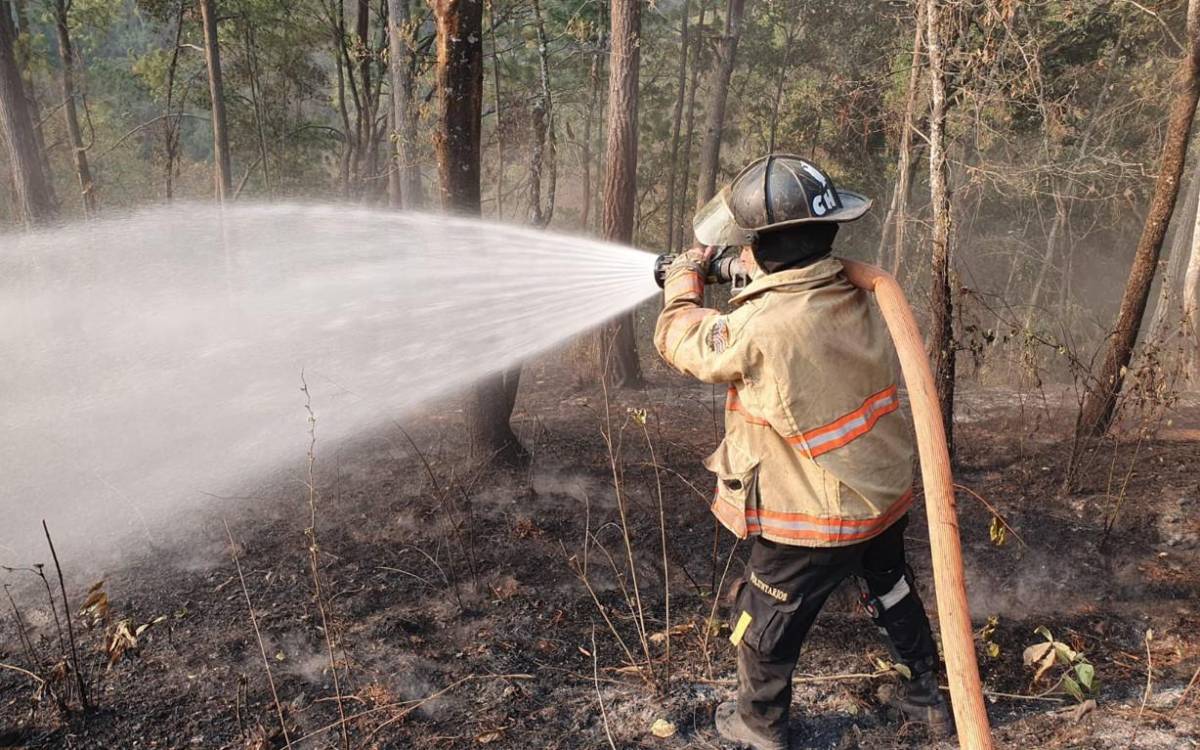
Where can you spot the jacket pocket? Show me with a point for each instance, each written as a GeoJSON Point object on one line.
{"type": "Point", "coordinates": [737, 483]}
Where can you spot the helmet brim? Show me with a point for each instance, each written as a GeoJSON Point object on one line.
{"type": "Point", "coordinates": [854, 206]}
{"type": "Point", "coordinates": [714, 224]}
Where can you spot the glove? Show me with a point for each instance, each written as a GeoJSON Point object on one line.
{"type": "Point", "coordinates": [695, 260]}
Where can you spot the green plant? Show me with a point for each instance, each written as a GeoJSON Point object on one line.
{"type": "Point", "coordinates": [1076, 675]}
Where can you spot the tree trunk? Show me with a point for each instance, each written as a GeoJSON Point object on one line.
{"type": "Point", "coordinates": [789, 40]}
{"type": "Point", "coordinates": [401, 53]}
{"type": "Point", "coordinates": [544, 139]}
{"type": "Point", "coordinates": [676, 124]}
{"type": "Point", "coordinates": [1191, 302]}
{"type": "Point", "coordinates": [33, 199]}
{"type": "Point", "coordinates": [457, 143]}
{"type": "Point", "coordinates": [1168, 298]}
{"type": "Point", "coordinates": [1052, 241]}
{"type": "Point", "coordinates": [895, 219]}
{"type": "Point", "coordinates": [1099, 405]}
{"type": "Point", "coordinates": [67, 81]}
{"type": "Point", "coordinates": [171, 124]}
{"type": "Point", "coordinates": [941, 343]}
{"type": "Point", "coordinates": [212, 55]}
{"type": "Point", "coordinates": [690, 117]}
{"type": "Point", "coordinates": [618, 347]}
{"type": "Point", "coordinates": [710, 152]}
{"type": "Point", "coordinates": [593, 100]}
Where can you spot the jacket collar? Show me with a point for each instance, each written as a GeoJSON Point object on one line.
{"type": "Point", "coordinates": [793, 280]}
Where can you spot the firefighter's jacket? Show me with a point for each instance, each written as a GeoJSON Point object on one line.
{"type": "Point", "coordinates": [816, 451]}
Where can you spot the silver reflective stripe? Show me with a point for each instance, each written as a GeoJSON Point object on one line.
{"type": "Point", "coordinates": [898, 592]}
{"type": "Point", "coordinates": [854, 424]}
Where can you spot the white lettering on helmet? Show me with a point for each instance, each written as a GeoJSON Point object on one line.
{"type": "Point", "coordinates": [824, 203]}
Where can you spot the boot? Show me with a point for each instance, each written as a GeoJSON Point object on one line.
{"type": "Point", "coordinates": [732, 728]}
{"type": "Point", "coordinates": [921, 702]}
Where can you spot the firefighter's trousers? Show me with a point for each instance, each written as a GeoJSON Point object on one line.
{"type": "Point", "coordinates": [785, 587]}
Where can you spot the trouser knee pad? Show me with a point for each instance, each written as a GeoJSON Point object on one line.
{"type": "Point", "coordinates": [900, 617]}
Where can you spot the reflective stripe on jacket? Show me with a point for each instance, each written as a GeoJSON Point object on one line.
{"type": "Point", "coordinates": [816, 450]}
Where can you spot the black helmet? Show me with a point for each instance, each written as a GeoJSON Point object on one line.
{"type": "Point", "coordinates": [774, 192]}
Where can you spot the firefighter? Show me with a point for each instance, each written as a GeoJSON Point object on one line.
{"type": "Point", "coordinates": [816, 464]}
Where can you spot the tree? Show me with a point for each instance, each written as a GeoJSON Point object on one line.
{"type": "Point", "coordinates": [677, 122]}
{"type": "Point", "coordinates": [710, 151]}
{"type": "Point", "coordinates": [1191, 301]}
{"type": "Point", "coordinates": [544, 138]}
{"type": "Point", "coordinates": [941, 341]}
{"type": "Point", "coordinates": [402, 62]}
{"type": "Point", "coordinates": [459, 86]}
{"type": "Point", "coordinates": [33, 198]}
{"type": "Point", "coordinates": [618, 347]}
{"type": "Point", "coordinates": [216, 91]}
{"type": "Point", "coordinates": [905, 166]}
{"type": "Point", "coordinates": [1100, 401]}
{"type": "Point", "coordinates": [67, 81]}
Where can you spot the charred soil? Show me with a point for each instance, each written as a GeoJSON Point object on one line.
{"type": "Point", "coordinates": [468, 606]}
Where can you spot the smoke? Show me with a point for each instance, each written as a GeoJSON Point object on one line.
{"type": "Point", "coordinates": [154, 361]}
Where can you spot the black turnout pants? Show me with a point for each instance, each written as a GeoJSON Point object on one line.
{"type": "Point", "coordinates": [785, 587]}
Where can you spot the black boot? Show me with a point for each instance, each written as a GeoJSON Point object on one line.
{"type": "Point", "coordinates": [732, 728]}
{"type": "Point", "coordinates": [920, 700]}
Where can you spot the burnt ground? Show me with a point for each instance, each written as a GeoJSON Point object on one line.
{"type": "Point", "coordinates": [459, 616]}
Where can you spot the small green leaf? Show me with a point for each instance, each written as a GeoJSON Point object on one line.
{"type": "Point", "coordinates": [1043, 631]}
{"type": "Point", "coordinates": [1087, 675]}
{"type": "Point", "coordinates": [993, 650]}
{"type": "Point", "coordinates": [1073, 688]}
{"type": "Point", "coordinates": [1066, 654]}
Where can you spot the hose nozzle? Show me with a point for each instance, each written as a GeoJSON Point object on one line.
{"type": "Point", "coordinates": [725, 267]}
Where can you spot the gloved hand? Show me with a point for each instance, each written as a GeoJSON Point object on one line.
{"type": "Point", "coordinates": [696, 260]}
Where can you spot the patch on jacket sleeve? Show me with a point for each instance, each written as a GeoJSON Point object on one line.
{"type": "Point", "coordinates": [718, 335]}
{"type": "Point", "coordinates": [767, 588]}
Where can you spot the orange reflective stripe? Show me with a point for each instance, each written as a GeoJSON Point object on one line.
{"type": "Point", "coordinates": [813, 528]}
{"type": "Point", "coordinates": [683, 285]}
{"type": "Point", "coordinates": [734, 403]}
{"type": "Point", "coordinates": [848, 427]}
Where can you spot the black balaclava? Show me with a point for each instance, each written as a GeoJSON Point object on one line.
{"type": "Point", "coordinates": [794, 247]}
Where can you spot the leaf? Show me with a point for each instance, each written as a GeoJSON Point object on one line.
{"type": "Point", "coordinates": [1041, 657]}
{"type": "Point", "coordinates": [1044, 632]}
{"type": "Point", "coordinates": [1065, 653]}
{"type": "Point", "coordinates": [489, 737]}
{"type": "Point", "coordinates": [997, 532]}
{"type": "Point", "coordinates": [903, 669]}
{"type": "Point", "coordinates": [993, 650]}
{"type": "Point", "coordinates": [1087, 675]}
{"type": "Point", "coordinates": [662, 729]}
{"type": "Point", "coordinates": [1073, 688]}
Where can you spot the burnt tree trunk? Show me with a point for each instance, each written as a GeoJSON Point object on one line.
{"type": "Point", "coordinates": [690, 126]}
{"type": "Point", "coordinates": [895, 219]}
{"type": "Point", "coordinates": [216, 89]}
{"type": "Point", "coordinates": [941, 342]}
{"type": "Point", "coordinates": [544, 138]}
{"type": "Point", "coordinates": [1099, 404]}
{"type": "Point", "coordinates": [714, 128]}
{"type": "Point", "coordinates": [618, 347]}
{"type": "Point", "coordinates": [70, 113]}
{"type": "Point", "coordinates": [1168, 299]}
{"type": "Point", "coordinates": [585, 213]}
{"type": "Point", "coordinates": [457, 143]}
{"type": "Point", "coordinates": [677, 124]}
{"type": "Point", "coordinates": [1191, 302]}
{"type": "Point", "coordinates": [33, 199]}
{"type": "Point", "coordinates": [401, 59]}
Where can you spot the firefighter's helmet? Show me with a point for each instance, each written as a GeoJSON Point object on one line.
{"type": "Point", "coordinates": [774, 192]}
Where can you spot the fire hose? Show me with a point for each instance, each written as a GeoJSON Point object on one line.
{"type": "Point", "coordinates": [954, 616]}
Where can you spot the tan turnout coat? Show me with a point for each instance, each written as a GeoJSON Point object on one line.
{"type": "Point", "coordinates": [816, 450]}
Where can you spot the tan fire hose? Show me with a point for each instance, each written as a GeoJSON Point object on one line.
{"type": "Point", "coordinates": [954, 617]}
